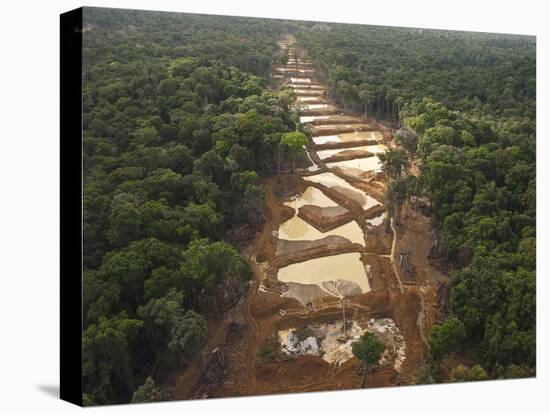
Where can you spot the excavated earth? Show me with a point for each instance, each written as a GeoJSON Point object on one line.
{"type": "Point", "coordinates": [232, 365]}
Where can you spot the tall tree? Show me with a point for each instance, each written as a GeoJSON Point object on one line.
{"type": "Point", "coordinates": [188, 336]}
{"type": "Point", "coordinates": [394, 162]}
{"type": "Point", "coordinates": [294, 142]}
{"type": "Point", "coordinates": [367, 349]}
{"type": "Point", "coordinates": [446, 337]}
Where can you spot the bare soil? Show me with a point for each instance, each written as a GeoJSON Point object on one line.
{"type": "Point", "coordinates": [232, 366]}
{"type": "Point", "coordinates": [325, 218]}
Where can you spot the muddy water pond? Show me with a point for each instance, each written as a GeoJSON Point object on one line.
{"type": "Point", "coordinates": [309, 92]}
{"type": "Point", "coordinates": [306, 119]}
{"type": "Point", "coordinates": [308, 87]}
{"type": "Point", "coordinates": [312, 196]}
{"type": "Point", "coordinates": [348, 137]}
{"type": "Point", "coordinates": [300, 80]}
{"type": "Point", "coordinates": [347, 266]}
{"type": "Point", "coordinates": [374, 149]}
{"type": "Point", "coordinates": [376, 221]}
{"type": "Point", "coordinates": [309, 99]}
{"type": "Point", "coordinates": [331, 180]}
{"type": "Point", "coordinates": [361, 164]}
{"type": "Point", "coordinates": [297, 229]}
{"type": "Point", "coordinates": [316, 106]}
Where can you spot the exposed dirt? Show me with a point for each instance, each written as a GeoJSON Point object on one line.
{"type": "Point", "coordinates": [235, 369]}
{"type": "Point", "coordinates": [325, 218]}
{"type": "Point", "coordinates": [348, 155]}
{"type": "Point", "coordinates": [378, 241]}
{"type": "Point", "coordinates": [334, 128]}
{"type": "Point", "coordinates": [332, 119]}
{"type": "Point", "coordinates": [289, 247]}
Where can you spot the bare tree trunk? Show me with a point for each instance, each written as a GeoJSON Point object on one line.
{"type": "Point", "coordinates": [398, 214]}
{"type": "Point", "coordinates": [364, 382]}
{"type": "Point", "coordinates": [279, 161]}
{"type": "Point", "coordinates": [388, 222]}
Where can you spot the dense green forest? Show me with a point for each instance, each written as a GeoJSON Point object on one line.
{"type": "Point", "coordinates": [181, 124]}
{"type": "Point", "coordinates": [179, 127]}
{"type": "Point", "coordinates": [465, 103]}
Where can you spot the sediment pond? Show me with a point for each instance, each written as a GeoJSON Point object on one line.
{"type": "Point", "coordinates": [358, 165]}
{"type": "Point", "coordinates": [297, 229]}
{"type": "Point", "coordinates": [374, 149]}
{"type": "Point", "coordinates": [340, 185]}
{"type": "Point", "coordinates": [349, 137]}
{"type": "Point", "coordinates": [347, 266]}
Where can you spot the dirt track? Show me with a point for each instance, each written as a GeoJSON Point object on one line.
{"type": "Point", "coordinates": [255, 321]}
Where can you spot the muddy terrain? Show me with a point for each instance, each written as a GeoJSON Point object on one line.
{"type": "Point", "coordinates": [326, 270]}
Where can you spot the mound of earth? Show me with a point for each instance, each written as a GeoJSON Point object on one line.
{"type": "Point", "coordinates": [336, 128]}
{"type": "Point", "coordinates": [378, 241]}
{"type": "Point", "coordinates": [342, 287]}
{"type": "Point", "coordinates": [348, 154]}
{"type": "Point", "coordinates": [286, 247]}
{"type": "Point", "coordinates": [303, 293]}
{"type": "Point", "coordinates": [338, 119]}
{"type": "Point", "coordinates": [325, 218]}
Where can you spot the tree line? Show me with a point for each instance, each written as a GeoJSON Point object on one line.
{"type": "Point", "coordinates": [180, 125]}
{"type": "Point", "coordinates": [463, 105]}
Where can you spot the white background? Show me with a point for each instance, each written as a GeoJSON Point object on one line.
{"type": "Point", "coordinates": [29, 206]}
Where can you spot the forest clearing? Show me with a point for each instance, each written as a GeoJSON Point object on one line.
{"type": "Point", "coordinates": [281, 206]}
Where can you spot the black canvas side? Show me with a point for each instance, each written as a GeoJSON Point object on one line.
{"type": "Point", "coordinates": [71, 206]}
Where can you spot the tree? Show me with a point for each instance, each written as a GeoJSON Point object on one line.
{"type": "Point", "coordinates": [148, 392]}
{"type": "Point", "coordinates": [200, 220]}
{"type": "Point", "coordinates": [211, 165]}
{"type": "Point", "coordinates": [294, 142]}
{"type": "Point", "coordinates": [106, 349]}
{"type": "Point", "coordinates": [463, 374]}
{"type": "Point", "coordinates": [188, 336]}
{"type": "Point", "coordinates": [210, 265]}
{"type": "Point", "coordinates": [98, 296]}
{"type": "Point", "coordinates": [394, 162]}
{"type": "Point", "coordinates": [159, 316]}
{"type": "Point", "coordinates": [398, 193]}
{"type": "Point", "coordinates": [408, 139]}
{"type": "Point", "coordinates": [446, 337]}
{"type": "Point", "coordinates": [125, 224]}
{"type": "Point", "coordinates": [146, 135]}
{"type": "Point", "coordinates": [367, 349]}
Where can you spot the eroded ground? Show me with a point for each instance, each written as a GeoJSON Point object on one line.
{"type": "Point", "coordinates": [326, 270]}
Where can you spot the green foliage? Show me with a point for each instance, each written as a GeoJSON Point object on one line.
{"type": "Point", "coordinates": [294, 142]}
{"type": "Point", "coordinates": [408, 139]}
{"type": "Point", "coordinates": [463, 374]}
{"type": "Point", "coordinates": [266, 353]}
{"type": "Point", "coordinates": [106, 349]}
{"type": "Point", "coordinates": [179, 128]}
{"type": "Point", "coordinates": [446, 337]}
{"type": "Point", "coordinates": [148, 392]}
{"type": "Point", "coordinates": [394, 162]}
{"type": "Point", "coordinates": [514, 371]}
{"type": "Point", "coordinates": [424, 375]}
{"type": "Point", "coordinates": [209, 265]}
{"type": "Point", "coordinates": [188, 335]}
{"type": "Point", "coordinates": [378, 70]}
{"type": "Point", "coordinates": [367, 349]}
